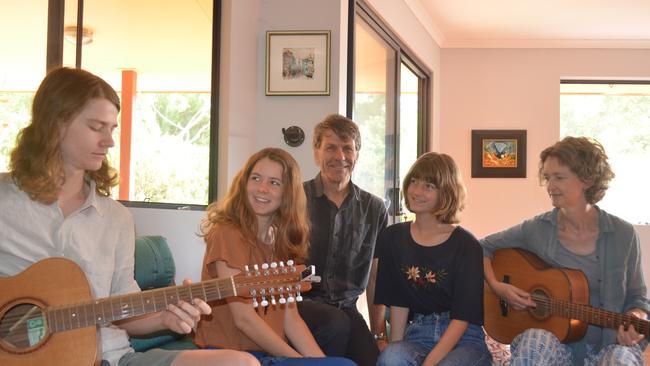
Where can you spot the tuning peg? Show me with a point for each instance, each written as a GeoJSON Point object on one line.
{"type": "Point", "coordinates": [264, 302]}
{"type": "Point", "coordinates": [290, 262]}
{"type": "Point", "coordinates": [255, 303]}
{"type": "Point", "coordinates": [247, 270]}
{"type": "Point", "coordinates": [272, 300]}
{"type": "Point", "coordinates": [297, 289]}
{"type": "Point", "coordinates": [265, 266]}
{"type": "Point", "coordinates": [282, 299]}
{"type": "Point", "coordinates": [290, 299]}
{"type": "Point", "coordinates": [274, 265]}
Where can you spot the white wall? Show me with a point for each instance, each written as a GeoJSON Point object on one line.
{"type": "Point", "coordinates": [515, 89]}
{"type": "Point", "coordinates": [181, 229]}
{"type": "Point", "coordinates": [249, 120]}
{"type": "Point", "coordinates": [518, 89]}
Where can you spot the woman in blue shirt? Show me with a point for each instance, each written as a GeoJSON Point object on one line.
{"type": "Point", "coordinates": [578, 234]}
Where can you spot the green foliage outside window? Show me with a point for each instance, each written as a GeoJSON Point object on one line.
{"type": "Point", "coordinates": [15, 114]}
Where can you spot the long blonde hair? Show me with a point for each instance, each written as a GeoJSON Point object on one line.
{"type": "Point", "coordinates": [36, 163]}
{"type": "Point", "coordinates": [289, 221]}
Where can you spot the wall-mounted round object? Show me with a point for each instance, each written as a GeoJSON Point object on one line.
{"type": "Point", "coordinates": [293, 136]}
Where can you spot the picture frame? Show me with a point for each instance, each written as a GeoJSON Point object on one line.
{"type": "Point", "coordinates": [298, 62]}
{"type": "Point", "coordinates": [498, 153]}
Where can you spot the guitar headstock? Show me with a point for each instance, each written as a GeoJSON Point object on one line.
{"type": "Point", "coordinates": [275, 283]}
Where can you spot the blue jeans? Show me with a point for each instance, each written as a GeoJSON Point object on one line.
{"type": "Point", "coordinates": [268, 360]}
{"type": "Point", "coordinates": [541, 347]}
{"type": "Point", "coordinates": [424, 332]}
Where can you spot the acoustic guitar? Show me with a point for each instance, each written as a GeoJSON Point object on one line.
{"type": "Point", "coordinates": [48, 316]}
{"type": "Point", "coordinates": [562, 297]}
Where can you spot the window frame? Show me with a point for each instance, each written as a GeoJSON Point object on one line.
{"type": "Point", "coordinates": [54, 58]}
{"type": "Point", "coordinates": [403, 56]}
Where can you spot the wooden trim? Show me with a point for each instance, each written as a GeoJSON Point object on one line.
{"type": "Point", "coordinates": [129, 91]}
{"type": "Point", "coordinates": [54, 54]}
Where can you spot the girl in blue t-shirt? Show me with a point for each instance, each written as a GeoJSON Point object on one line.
{"type": "Point", "coordinates": [431, 274]}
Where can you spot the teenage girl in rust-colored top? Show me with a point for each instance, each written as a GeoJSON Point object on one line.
{"type": "Point", "coordinates": [261, 220]}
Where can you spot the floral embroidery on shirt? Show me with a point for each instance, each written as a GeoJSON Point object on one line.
{"type": "Point", "coordinates": [424, 277]}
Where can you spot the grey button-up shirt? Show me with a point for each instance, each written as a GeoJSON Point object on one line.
{"type": "Point", "coordinates": [619, 258]}
{"type": "Point", "coordinates": [342, 241]}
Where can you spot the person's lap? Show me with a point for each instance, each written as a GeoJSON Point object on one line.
{"type": "Point", "coordinates": [424, 333]}
{"type": "Point", "coordinates": [329, 325]}
{"type": "Point", "coordinates": [268, 360]}
{"type": "Point", "coordinates": [537, 346]}
{"type": "Point", "coordinates": [340, 332]}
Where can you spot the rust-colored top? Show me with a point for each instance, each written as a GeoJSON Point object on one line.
{"type": "Point", "coordinates": [225, 243]}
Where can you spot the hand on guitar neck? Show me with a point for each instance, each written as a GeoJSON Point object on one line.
{"type": "Point", "coordinates": [183, 317]}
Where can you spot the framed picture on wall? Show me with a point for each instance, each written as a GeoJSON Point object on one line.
{"type": "Point", "coordinates": [498, 153]}
{"type": "Point", "coordinates": [297, 62]}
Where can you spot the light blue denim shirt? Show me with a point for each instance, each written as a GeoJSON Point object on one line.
{"type": "Point", "coordinates": [619, 256]}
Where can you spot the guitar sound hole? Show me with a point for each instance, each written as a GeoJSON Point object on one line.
{"type": "Point", "coordinates": [23, 326]}
{"type": "Point", "coordinates": [541, 311]}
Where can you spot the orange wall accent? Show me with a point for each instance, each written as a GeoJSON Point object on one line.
{"type": "Point", "coordinates": [129, 90]}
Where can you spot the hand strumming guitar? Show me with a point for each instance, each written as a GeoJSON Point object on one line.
{"type": "Point", "coordinates": [516, 297]}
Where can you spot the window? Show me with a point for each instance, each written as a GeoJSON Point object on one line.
{"type": "Point", "coordinates": [22, 67]}
{"type": "Point", "coordinates": [158, 56]}
{"type": "Point", "coordinates": [389, 105]}
{"type": "Point", "coordinates": [617, 114]}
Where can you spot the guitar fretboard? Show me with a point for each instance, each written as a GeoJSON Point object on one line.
{"type": "Point", "coordinates": [592, 315]}
{"type": "Point", "coordinates": [106, 310]}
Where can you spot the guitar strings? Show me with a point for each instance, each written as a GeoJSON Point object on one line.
{"type": "Point", "coordinates": [592, 314]}
{"type": "Point", "coordinates": [207, 290]}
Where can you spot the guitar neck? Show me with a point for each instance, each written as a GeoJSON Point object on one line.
{"type": "Point", "coordinates": [110, 309]}
{"type": "Point", "coordinates": [594, 316]}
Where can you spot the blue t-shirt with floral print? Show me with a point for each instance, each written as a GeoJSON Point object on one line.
{"type": "Point", "coordinates": [447, 277]}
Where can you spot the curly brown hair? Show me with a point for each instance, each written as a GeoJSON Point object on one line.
{"type": "Point", "coordinates": [586, 158]}
{"type": "Point", "coordinates": [441, 171]}
{"type": "Point", "coordinates": [36, 163]}
{"type": "Point", "coordinates": [290, 220]}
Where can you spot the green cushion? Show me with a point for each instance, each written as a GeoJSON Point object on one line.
{"type": "Point", "coordinates": [154, 264]}
{"type": "Point", "coordinates": [154, 268]}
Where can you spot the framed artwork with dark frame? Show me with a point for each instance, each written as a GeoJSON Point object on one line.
{"type": "Point", "coordinates": [297, 63]}
{"type": "Point", "coordinates": [498, 153]}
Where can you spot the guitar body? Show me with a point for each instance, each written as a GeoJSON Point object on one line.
{"type": "Point", "coordinates": [50, 282]}
{"type": "Point", "coordinates": [529, 273]}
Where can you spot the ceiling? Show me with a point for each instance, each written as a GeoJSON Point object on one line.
{"type": "Point", "coordinates": [536, 24]}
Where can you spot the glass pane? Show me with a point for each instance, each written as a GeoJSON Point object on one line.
{"type": "Point", "coordinates": [23, 38]}
{"type": "Point", "coordinates": [374, 110]}
{"type": "Point", "coordinates": [408, 124]}
{"type": "Point", "coordinates": [617, 116]}
{"type": "Point", "coordinates": [168, 46]}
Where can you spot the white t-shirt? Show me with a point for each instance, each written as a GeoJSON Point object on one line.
{"type": "Point", "coordinates": [99, 237]}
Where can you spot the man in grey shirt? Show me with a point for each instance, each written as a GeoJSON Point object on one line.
{"type": "Point", "coordinates": [346, 221]}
